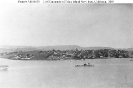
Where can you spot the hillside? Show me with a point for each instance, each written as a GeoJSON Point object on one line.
{"type": "Point", "coordinates": [16, 48]}
{"type": "Point", "coordinates": [44, 48]}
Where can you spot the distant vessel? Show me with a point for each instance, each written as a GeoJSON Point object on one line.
{"type": "Point", "coordinates": [85, 65]}
{"type": "Point", "coordinates": [4, 67]}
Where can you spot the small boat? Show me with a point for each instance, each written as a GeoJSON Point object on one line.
{"type": "Point", "coordinates": [4, 67]}
{"type": "Point", "coordinates": [131, 59]}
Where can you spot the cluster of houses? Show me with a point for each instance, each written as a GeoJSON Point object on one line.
{"type": "Point", "coordinates": [86, 54]}
{"type": "Point", "coordinates": [22, 57]}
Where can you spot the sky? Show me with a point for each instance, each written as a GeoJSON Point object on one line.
{"type": "Point", "coordinates": [107, 25]}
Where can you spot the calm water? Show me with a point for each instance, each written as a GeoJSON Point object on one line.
{"type": "Point", "coordinates": [112, 73]}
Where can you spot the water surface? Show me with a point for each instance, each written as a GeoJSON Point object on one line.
{"type": "Point", "coordinates": [111, 73]}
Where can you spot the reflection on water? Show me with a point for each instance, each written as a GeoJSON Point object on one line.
{"type": "Point", "coordinates": [113, 73]}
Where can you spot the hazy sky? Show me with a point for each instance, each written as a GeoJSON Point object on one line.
{"type": "Point", "coordinates": [109, 25]}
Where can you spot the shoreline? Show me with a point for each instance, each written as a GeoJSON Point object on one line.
{"type": "Point", "coordinates": [63, 59]}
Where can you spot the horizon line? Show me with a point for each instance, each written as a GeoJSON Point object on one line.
{"type": "Point", "coordinates": [63, 45]}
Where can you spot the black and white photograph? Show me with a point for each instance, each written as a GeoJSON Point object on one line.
{"type": "Point", "coordinates": [54, 44]}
